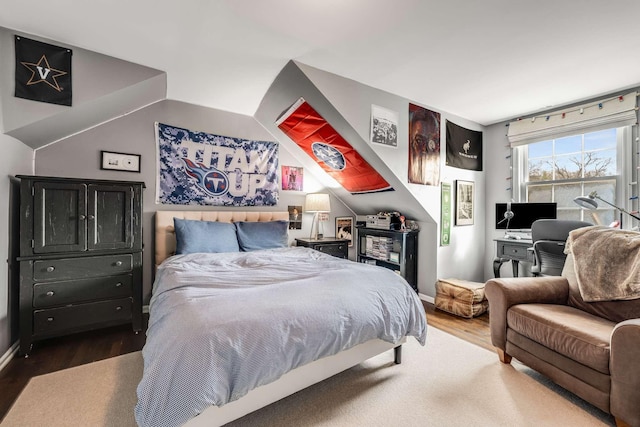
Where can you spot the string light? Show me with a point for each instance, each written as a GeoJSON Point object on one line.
{"type": "Point", "coordinates": [599, 104]}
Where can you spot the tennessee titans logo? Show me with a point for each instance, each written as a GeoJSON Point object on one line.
{"type": "Point", "coordinates": [212, 180]}
{"type": "Point", "coordinates": [329, 155]}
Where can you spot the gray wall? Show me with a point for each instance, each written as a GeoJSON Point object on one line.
{"type": "Point", "coordinates": [103, 88]}
{"type": "Point", "coordinates": [16, 159]}
{"type": "Point", "coordinates": [346, 104]}
{"type": "Point", "coordinates": [498, 187]}
{"type": "Point", "coordinates": [79, 156]}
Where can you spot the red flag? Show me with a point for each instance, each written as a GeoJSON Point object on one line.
{"type": "Point", "coordinates": [329, 149]}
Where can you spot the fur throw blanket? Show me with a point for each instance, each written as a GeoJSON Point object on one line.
{"type": "Point", "coordinates": [607, 262]}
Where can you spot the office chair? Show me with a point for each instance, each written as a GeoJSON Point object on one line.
{"type": "Point", "coordinates": [549, 237]}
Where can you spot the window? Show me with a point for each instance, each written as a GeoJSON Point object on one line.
{"type": "Point", "coordinates": [559, 170]}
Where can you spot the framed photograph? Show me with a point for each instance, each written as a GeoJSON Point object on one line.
{"type": "Point", "coordinates": [344, 228]}
{"type": "Point", "coordinates": [295, 217]}
{"type": "Point", "coordinates": [464, 202]}
{"type": "Point", "coordinates": [120, 161]}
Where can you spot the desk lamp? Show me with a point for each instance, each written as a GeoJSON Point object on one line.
{"type": "Point", "coordinates": [591, 203]}
{"type": "Point", "coordinates": [316, 203]}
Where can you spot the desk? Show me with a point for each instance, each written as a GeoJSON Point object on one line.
{"type": "Point", "coordinates": [511, 250]}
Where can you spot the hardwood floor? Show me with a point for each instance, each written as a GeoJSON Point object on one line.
{"type": "Point", "coordinates": [73, 350]}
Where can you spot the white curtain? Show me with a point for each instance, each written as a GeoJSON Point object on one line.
{"type": "Point", "coordinates": [604, 114]}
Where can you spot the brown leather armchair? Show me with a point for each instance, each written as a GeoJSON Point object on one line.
{"type": "Point", "coordinates": [590, 349]}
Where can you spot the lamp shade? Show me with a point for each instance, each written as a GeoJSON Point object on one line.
{"type": "Point", "coordinates": [586, 202]}
{"type": "Point", "coordinates": [317, 202]}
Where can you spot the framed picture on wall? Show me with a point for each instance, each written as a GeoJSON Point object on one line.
{"type": "Point", "coordinates": [120, 161]}
{"type": "Point", "coordinates": [464, 202]}
{"type": "Point", "coordinates": [344, 228]}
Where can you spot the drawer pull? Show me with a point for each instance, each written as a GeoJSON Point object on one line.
{"type": "Point", "coordinates": [118, 263]}
{"type": "Point", "coordinates": [50, 319]}
{"type": "Point", "coordinates": [50, 293]}
{"type": "Point", "coordinates": [118, 284]}
{"type": "Point", "coordinates": [50, 269]}
{"type": "Point", "coordinates": [118, 308]}
{"type": "Point", "coordinates": [91, 217]}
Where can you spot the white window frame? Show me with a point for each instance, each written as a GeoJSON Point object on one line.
{"type": "Point", "coordinates": [624, 168]}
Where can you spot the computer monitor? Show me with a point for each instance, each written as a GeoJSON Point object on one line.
{"type": "Point", "coordinates": [524, 214]}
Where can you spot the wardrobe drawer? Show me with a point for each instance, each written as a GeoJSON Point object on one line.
{"type": "Point", "coordinates": [81, 316]}
{"type": "Point", "coordinates": [74, 291]}
{"type": "Point", "coordinates": [80, 268]}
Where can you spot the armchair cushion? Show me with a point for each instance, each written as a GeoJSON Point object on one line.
{"type": "Point", "coordinates": [615, 311]}
{"type": "Point", "coordinates": [506, 292]}
{"type": "Point", "coordinates": [565, 330]}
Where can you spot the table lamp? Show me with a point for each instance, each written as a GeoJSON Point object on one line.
{"type": "Point", "coordinates": [316, 203]}
{"type": "Point", "coordinates": [589, 202]}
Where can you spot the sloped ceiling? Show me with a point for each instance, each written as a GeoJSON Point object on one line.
{"type": "Point", "coordinates": [103, 88]}
{"type": "Point", "coordinates": [485, 61]}
{"type": "Point", "coordinates": [291, 84]}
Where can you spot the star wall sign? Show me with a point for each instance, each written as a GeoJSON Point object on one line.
{"type": "Point", "coordinates": [43, 72]}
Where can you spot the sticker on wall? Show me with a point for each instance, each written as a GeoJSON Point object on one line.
{"type": "Point", "coordinates": [198, 168]}
{"type": "Point", "coordinates": [329, 149]}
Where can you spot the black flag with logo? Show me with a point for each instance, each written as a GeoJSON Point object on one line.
{"type": "Point", "coordinates": [464, 147]}
{"type": "Point", "coordinates": [43, 72]}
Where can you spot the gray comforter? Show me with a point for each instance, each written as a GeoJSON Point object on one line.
{"type": "Point", "coordinates": [223, 324]}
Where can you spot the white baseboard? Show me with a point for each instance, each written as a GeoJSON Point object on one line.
{"type": "Point", "coordinates": [426, 298]}
{"type": "Point", "coordinates": [8, 355]}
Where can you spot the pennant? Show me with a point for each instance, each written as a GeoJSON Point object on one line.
{"type": "Point", "coordinates": [329, 149]}
{"type": "Point", "coordinates": [464, 147]}
{"type": "Point", "coordinates": [43, 72]}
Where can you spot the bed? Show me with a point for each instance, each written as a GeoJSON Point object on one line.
{"type": "Point", "coordinates": [235, 330]}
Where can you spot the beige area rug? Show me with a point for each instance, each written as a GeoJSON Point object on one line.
{"type": "Point", "coordinates": [447, 383]}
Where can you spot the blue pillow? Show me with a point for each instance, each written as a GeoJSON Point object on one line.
{"type": "Point", "coordinates": [204, 236]}
{"type": "Point", "coordinates": [253, 236]}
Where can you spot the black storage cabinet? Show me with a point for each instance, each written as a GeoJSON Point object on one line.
{"type": "Point", "coordinates": [404, 243]}
{"type": "Point", "coordinates": [80, 256]}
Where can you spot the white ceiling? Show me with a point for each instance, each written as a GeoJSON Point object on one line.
{"type": "Point", "coordinates": [485, 61]}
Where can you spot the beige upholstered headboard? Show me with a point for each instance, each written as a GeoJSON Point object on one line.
{"type": "Point", "coordinates": [165, 233]}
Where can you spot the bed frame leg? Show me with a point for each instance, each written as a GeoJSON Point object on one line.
{"type": "Point", "coordinates": [397, 355]}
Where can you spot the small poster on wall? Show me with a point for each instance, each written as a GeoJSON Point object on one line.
{"type": "Point", "coordinates": [384, 126]}
{"type": "Point", "coordinates": [445, 214]}
{"type": "Point", "coordinates": [292, 178]}
{"type": "Point", "coordinates": [424, 146]}
{"type": "Point", "coordinates": [344, 228]}
{"type": "Point", "coordinates": [295, 217]}
{"type": "Point", "coordinates": [464, 202]}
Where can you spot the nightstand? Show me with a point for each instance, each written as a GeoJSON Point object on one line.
{"type": "Point", "coordinates": [328, 245]}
